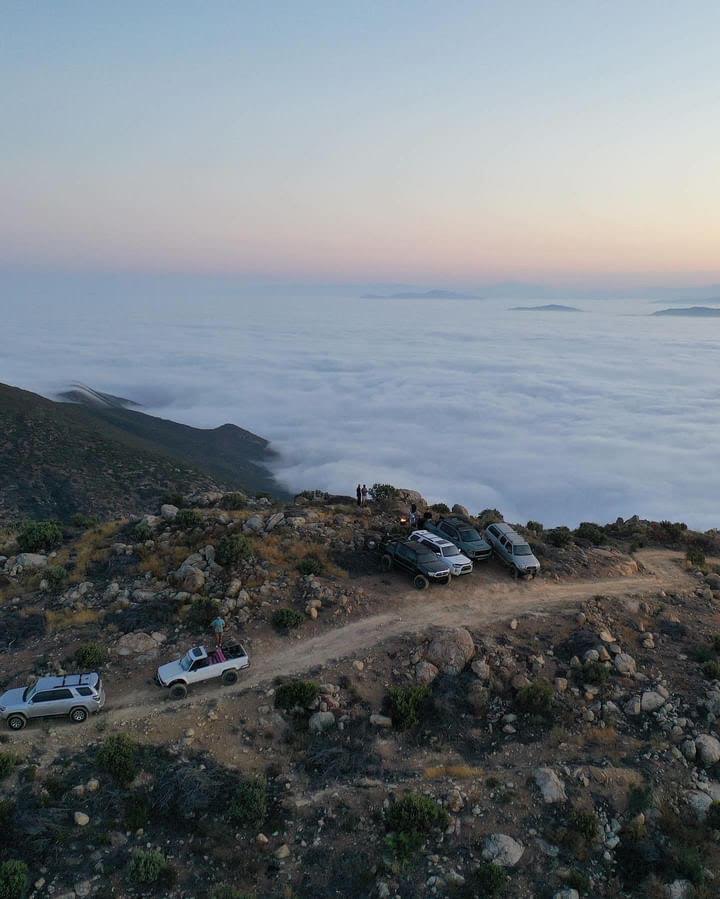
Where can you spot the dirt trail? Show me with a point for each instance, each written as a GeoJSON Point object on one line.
{"type": "Point", "coordinates": [468, 603]}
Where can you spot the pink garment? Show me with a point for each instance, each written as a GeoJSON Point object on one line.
{"type": "Point", "coordinates": [218, 656]}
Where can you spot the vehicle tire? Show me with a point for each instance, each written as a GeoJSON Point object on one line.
{"type": "Point", "coordinates": [420, 582]}
{"type": "Point", "coordinates": [449, 580]}
{"type": "Point", "coordinates": [230, 677]}
{"type": "Point", "coordinates": [386, 563]}
{"type": "Point", "coordinates": [16, 722]}
{"type": "Point", "coordinates": [178, 691]}
{"type": "Point", "coordinates": [78, 715]}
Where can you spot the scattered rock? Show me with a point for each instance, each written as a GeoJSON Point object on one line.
{"type": "Point", "coordinates": [321, 721]}
{"type": "Point", "coordinates": [708, 749]}
{"type": "Point", "coordinates": [502, 850]}
{"type": "Point", "coordinates": [81, 819]}
{"type": "Point", "coordinates": [450, 650]}
{"type": "Point", "coordinates": [425, 672]}
{"type": "Point", "coordinates": [169, 512]}
{"type": "Point", "coordinates": [651, 701]}
{"type": "Point", "coordinates": [625, 664]}
{"type": "Point", "coordinates": [550, 785]}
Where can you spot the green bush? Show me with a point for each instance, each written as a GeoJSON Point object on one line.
{"type": "Point", "coordinates": [406, 705]}
{"type": "Point", "coordinates": [489, 880]}
{"type": "Point", "coordinates": [585, 825]}
{"type": "Point", "coordinates": [137, 811]}
{"type": "Point", "coordinates": [56, 577]}
{"type": "Point", "coordinates": [690, 863]}
{"type": "Point", "coordinates": [591, 532]}
{"type": "Point", "coordinates": [91, 655]}
{"type": "Point", "coordinates": [150, 867]}
{"type": "Point", "coordinates": [415, 814]}
{"type": "Point", "coordinates": [287, 619]}
{"type": "Point", "coordinates": [558, 537]}
{"type": "Point", "coordinates": [383, 494]}
{"type": "Point", "coordinates": [187, 519]}
{"type": "Point", "coordinates": [8, 761]}
{"type": "Point", "coordinates": [35, 536]}
{"type": "Point", "coordinates": [119, 757]}
{"type": "Point", "coordinates": [233, 501]}
{"type": "Point", "coordinates": [248, 804]}
{"type": "Point", "coordinates": [80, 520]}
{"type": "Point", "coordinates": [310, 565]}
{"type": "Point", "coordinates": [233, 549]}
{"type": "Point", "coordinates": [202, 611]}
{"type": "Point", "coordinates": [639, 799]}
{"type": "Point", "coordinates": [595, 673]}
{"type": "Point", "coordinates": [535, 527]}
{"type": "Point", "coordinates": [300, 693]}
{"type": "Point", "coordinates": [711, 670]}
{"type": "Point", "coordinates": [442, 508]}
{"type": "Point", "coordinates": [13, 879]}
{"type": "Point", "coordinates": [173, 499]}
{"type": "Point", "coordinates": [488, 516]}
{"type": "Point", "coordinates": [538, 698]}
{"type": "Point", "coordinates": [695, 556]}
{"type": "Point", "coordinates": [142, 532]}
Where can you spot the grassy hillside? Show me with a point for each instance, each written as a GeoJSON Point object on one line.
{"type": "Point", "coordinates": [58, 458]}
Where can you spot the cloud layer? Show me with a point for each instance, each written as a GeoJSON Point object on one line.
{"type": "Point", "coordinates": [554, 417]}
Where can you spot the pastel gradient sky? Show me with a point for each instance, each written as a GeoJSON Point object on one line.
{"type": "Point", "coordinates": [450, 142]}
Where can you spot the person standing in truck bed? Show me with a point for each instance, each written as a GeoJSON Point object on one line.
{"type": "Point", "coordinates": [218, 627]}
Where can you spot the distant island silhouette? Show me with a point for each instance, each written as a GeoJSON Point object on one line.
{"type": "Point", "coordinates": [422, 295]}
{"type": "Point", "coordinates": [549, 307]}
{"type": "Point", "coordinates": [690, 312]}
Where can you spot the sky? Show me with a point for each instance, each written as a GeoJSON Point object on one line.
{"type": "Point", "coordinates": [444, 144]}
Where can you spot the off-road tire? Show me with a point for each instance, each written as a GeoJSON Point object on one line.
{"type": "Point", "coordinates": [420, 582]}
{"type": "Point", "coordinates": [16, 722]}
{"type": "Point", "coordinates": [178, 691]}
{"type": "Point", "coordinates": [386, 563]}
{"type": "Point", "coordinates": [229, 677]}
{"type": "Point", "coordinates": [78, 715]}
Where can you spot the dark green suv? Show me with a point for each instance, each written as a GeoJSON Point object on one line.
{"type": "Point", "coordinates": [420, 562]}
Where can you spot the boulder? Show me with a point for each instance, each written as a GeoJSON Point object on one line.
{"type": "Point", "coordinates": [481, 669]}
{"type": "Point", "coordinates": [254, 525]}
{"type": "Point", "coordinates": [651, 701]}
{"type": "Point", "coordinates": [425, 672]}
{"type": "Point", "coordinates": [31, 560]}
{"type": "Point", "coordinates": [708, 749]}
{"type": "Point", "coordinates": [380, 721]}
{"type": "Point", "coordinates": [450, 650]}
{"type": "Point", "coordinates": [169, 512]}
{"type": "Point", "coordinates": [679, 889]}
{"type": "Point", "coordinates": [273, 521]}
{"type": "Point", "coordinates": [502, 850]}
{"type": "Point", "coordinates": [567, 893]}
{"type": "Point", "coordinates": [457, 509]}
{"type": "Point", "coordinates": [135, 644]}
{"type": "Point", "coordinates": [699, 802]}
{"type": "Point", "coordinates": [320, 722]}
{"type": "Point", "coordinates": [625, 664]}
{"type": "Point", "coordinates": [81, 819]}
{"type": "Point", "coordinates": [550, 785]}
{"type": "Point", "coordinates": [193, 580]}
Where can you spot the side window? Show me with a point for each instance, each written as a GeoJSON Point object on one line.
{"type": "Point", "coordinates": [449, 530]}
{"type": "Point", "coordinates": [62, 694]}
{"type": "Point", "coordinates": [403, 552]}
{"type": "Point", "coordinates": [201, 663]}
{"type": "Point", "coordinates": [503, 542]}
{"type": "Point", "coordinates": [84, 691]}
{"type": "Point", "coordinates": [44, 696]}
{"type": "Point", "coordinates": [431, 546]}
{"type": "Point", "coordinates": [493, 530]}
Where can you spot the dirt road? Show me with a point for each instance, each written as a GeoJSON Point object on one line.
{"type": "Point", "coordinates": [467, 602]}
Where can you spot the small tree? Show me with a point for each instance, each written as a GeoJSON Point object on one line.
{"type": "Point", "coordinates": [383, 494]}
{"type": "Point", "coordinates": [119, 757]}
{"type": "Point", "coordinates": [559, 537]}
{"type": "Point", "coordinates": [91, 655]}
{"type": "Point", "coordinates": [56, 577]}
{"type": "Point", "coordinates": [233, 549]}
{"type": "Point", "coordinates": [287, 619]}
{"type": "Point", "coordinates": [310, 565]}
{"type": "Point", "coordinates": [406, 705]}
{"type": "Point", "coordinates": [187, 519]}
{"type": "Point", "coordinates": [35, 536]}
{"type": "Point", "coordinates": [142, 532]}
{"type": "Point", "coordinates": [301, 693]}
{"type": "Point", "coordinates": [248, 804]}
{"type": "Point", "coordinates": [13, 879]}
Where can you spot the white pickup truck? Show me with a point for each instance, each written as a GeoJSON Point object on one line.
{"type": "Point", "coordinates": [198, 665]}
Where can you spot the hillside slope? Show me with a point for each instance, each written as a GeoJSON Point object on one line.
{"type": "Point", "coordinates": [59, 458]}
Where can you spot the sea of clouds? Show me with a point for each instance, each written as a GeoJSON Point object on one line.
{"type": "Point", "coordinates": [559, 417]}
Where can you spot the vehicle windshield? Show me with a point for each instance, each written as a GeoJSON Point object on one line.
{"type": "Point", "coordinates": [522, 549]}
{"type": "Point", "coordinates": [186, 662]}
{"type": "Point", "coordinates": [449, 551]}
{"type": "Point", "coordinates": [470, 535]}
{"type": "Point", "coordinates": [27, 693]}
{"type": "Point", "coordinates": [427, 557]}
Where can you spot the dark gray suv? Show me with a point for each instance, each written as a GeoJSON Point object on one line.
{"type": "Point", "coordinates": [74, 695]}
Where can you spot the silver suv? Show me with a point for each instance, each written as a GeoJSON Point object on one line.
{"type": "Point", "coordinates": [513, 549]}
{"type": "Point", "coordinates": [75, 695]}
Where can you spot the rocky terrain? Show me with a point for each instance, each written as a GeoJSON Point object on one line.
{"type": "Point", "coordinates": [556, 738]}
{"type": "Point", "coordinates": [62, 459]}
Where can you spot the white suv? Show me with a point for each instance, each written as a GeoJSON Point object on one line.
{"type": "Point", "coordinates": [450, 554]}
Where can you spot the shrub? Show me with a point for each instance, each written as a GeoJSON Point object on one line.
{"type": "Point", "coordinates": [689, 863]}
{"type": "Point", "coordinates": [38, 535]}
{"type": "Point", "coordinates": [13, 879]}
{"type": "Point", "coordinates": [537, 698]}
{"type": "Point", "coordinates": [142, 532]}
{"type": "Point", "coordinates": [715, 642]}
{"type": "Point", "coordinates": [233, 549]}
{"type": "Point", "coordinates": [639, 799]}
{"type": "Point", "coordinates": [558, 537]}
{"type": "Point", "coordinates": [296, 693]}
{"type": "Point", "coordinates": [383, 494]}
{"type": "Point", "coordinates": [595, 673]}
{"type": "Point", "coordinates": [119, 757]}
{"type": "Point", "coordinates": [488, 516]}
{"type": "Point", "coordinates": [227, 892]}
{"type": "Point", "coordinates": [91, 655]}
{"type": "Point", "coordinates": [442, 508]}
{"type": "Point", "coordinates": [202, 611]}
{"type": "Point", "coordinates": [148, 866]}
{"type": "Point", "coordinates": [248, 804]}
{"type": "Point", "coordinates": [287, 619]}
{"type": "Point", "coordinates": [405, 705]}
{"type": "Point", "coordinates": [8, 760]}
{"type": "Point", "coordinates": [415, 814]}
{"type": "Point", "coordinates": [137, 811]}
{"type": "Point", "coordinates": [535, 527]}
{"type": "Point", "coordinates": [585, 825]}
{"type": "Point", "coordinates": [711, 670]}
{"type": "Point", "coordinates": [593, 533]}
{"type": "Point", "coordinates": [695, 556]}
{"type": "Point", "coordinates": [233, 501]}
{"type": "Point", "coordinates": [80, 520]}
{"type": "Point", "coordinates": [56, 577]}
{"type": "Point", "coordinates": [489, 880]}
{"type": "Point", "coordinates": [578, 880]}
{"type": "Point", "coordinates": [187, 519]}
{"type": "Point", "coordinates": [173, 499]}
{"type": "Point", "coordinates": [310, 565]}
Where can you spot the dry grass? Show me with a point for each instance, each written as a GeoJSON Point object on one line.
{"type": "Point", "coordinates": [91, 547]}
{"type": "Point", "coordinates": [457, 772]}
{"type": "Point", "coordinates": [66, 618]}
{"type": "Point", "coordinates": [160, 561]}
{"type": "Point", "coordinates": [285, 554]}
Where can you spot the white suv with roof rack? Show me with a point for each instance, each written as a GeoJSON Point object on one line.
{"type": "Point", "coordinates": [512, 549]}
{"type": "Point", "coordinates": [74, 695]}
{"type": "Point", "coordinates": [448, 552]}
